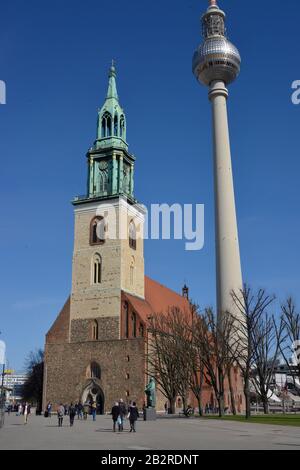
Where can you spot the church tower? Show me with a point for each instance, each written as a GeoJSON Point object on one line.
{"type": "Point", "coordinates": [96, 349]}
{"type": "Point", "coordinates": [108, 244]}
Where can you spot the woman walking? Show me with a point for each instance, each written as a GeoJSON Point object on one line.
{"type": "Point", "coordinates": [60, 415]}
{"type": "Point", "coordinates": [72, 413]}
{"type": "Point", "coordinates": [133, 416]}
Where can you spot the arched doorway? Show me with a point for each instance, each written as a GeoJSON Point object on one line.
{"type": "Point", "coordinates": [93, 392]}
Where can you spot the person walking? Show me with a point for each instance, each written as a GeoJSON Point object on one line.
{"type": "Point", "coordinates": [115, 412]}
{"type": "Point", "coordinates": [80, 410]}
{"type": "Point", "coordinates": [133, 415]}
{"type": "Point", "coordinates": [86, 409]}
{"type": "Point", "coordinates": [60, 414]}
{"type": "Point", "coordinates": [166, 408]}
{"type": "Point", "coordinates": [94, 410]}
{"type": "Point", "coordinates": [122, 414]}
{"type": "Point", "coordinates": [26, 412]}
{"type": "Point", "coordinates": [49, 409]}
{"type": "Point", "coordinates": [20, 409]}
{"type": "Point", "coordinates": [72, 414]}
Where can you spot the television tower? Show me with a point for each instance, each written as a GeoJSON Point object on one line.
{"type": "Point", "coordinates": [216, 64]}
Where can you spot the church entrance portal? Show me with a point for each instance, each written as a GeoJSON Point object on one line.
{"type": "Point", "coordinates": [93, 392]}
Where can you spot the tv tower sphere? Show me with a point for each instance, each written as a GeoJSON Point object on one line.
{"type": "Point", "coordinates": [216, 58]}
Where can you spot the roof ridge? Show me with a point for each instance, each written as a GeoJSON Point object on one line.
{"type": "Point", "coordinates": [165, 287]}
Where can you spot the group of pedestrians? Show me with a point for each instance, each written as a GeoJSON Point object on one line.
{"type": "Point", "coordinates": [78, 409]}
{"type": "Point", "coordinates": [119, 412]}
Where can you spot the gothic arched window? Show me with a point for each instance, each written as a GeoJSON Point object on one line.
{"type": "Point", "coordinates": [126, 179]}
{"type": "Point", "coordinates": [122, 126]}
{"type": "Point", "coordinates": [94, 371]}
{"type": "Point", "coordinates": [103, 127]}
{"type": "Point", "coordinates": [116, 125]}
{"type": "Point", "coordinates": [95, 330]}
{"type": "Point", "coordinates": [103, 181]}
{"type": "Point", "coordinates": [106, 125]}
{"type": "Point", "coordinates": [97, 231]}
{"type": "Point", "coordinates": [96, 269]}
{"type": "Point", "coordinates": [134, 325]}
{"type": "Point", "coordinates": [132, 235]}
{"type": "Point", "coordinates": [126, 319]}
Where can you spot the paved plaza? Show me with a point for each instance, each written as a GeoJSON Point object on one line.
{"type": "Point", "coordinates": [165, 433]}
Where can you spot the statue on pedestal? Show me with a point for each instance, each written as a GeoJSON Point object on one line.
{"type": "Point", "coordinates": [150, 392]}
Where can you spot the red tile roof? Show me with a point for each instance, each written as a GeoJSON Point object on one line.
{"type": "Point", "coordinates": [59, 331]}
{"type": "Point", "coordinates": [158, 299]}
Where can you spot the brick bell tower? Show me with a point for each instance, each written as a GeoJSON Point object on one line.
{"type": "Point", "coordinates": [108, 245]}
{"type": "Point", "coordinates": [89, 355]}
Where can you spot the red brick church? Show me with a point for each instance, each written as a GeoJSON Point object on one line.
{"type": "Point", "coordinates": [96, 347]}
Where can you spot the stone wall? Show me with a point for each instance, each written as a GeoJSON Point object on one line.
{"type": "Point", "coordinates": [122, 365]}
{"type": "Point", "coordinates": [108, 328]}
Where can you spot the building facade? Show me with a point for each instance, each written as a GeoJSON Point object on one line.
{"type": "Point", "coordinates": [96, 347]}
{"type": "Point", "coordinates": [13, 383]}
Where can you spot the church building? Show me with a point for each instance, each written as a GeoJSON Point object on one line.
{"type": "Point", "coordinates": [96, 347]}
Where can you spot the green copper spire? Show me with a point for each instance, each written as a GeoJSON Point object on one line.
{"type": "Point", "coordinates": [111, 128]}
{"type": "Point", "coordinates": [112, 92]}
{"type": "Point", "coordinates": [110, 165]}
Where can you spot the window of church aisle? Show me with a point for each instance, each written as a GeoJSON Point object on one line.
{"type": "Point", "coordinates": [96, 274]}
{"type": "Point", "coordinates": [132, 235]}
{"type": "Point", "coordinates": [97, 231]}
{"type": "Point", "coordinates": [95, 330]}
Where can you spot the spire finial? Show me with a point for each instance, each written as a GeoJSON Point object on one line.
{"type": "Point", "coordinates": [112, 87]}
{"type": "Point", "coordinates": [212, 3]}
{"type": "Point", "coordinates": [112, 70]}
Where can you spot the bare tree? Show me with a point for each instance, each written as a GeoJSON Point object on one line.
{"type": "Point", "coordinates": [169, 356]}
{"type": "Point", "coordinates": [230, 364]}
{"type": "Point", "coordinates": [251, 308]}
{"type": "Point", "coordinates": [291, 321]}
{"type": "Point", "coordinates": [178, 327]}
{"type": "Point", "coordinates": [33, 386]}
{"type": "Point", "coordinates": [196, 377]}
{"type": "Point", "coordinates": [212, 338]}
{"type": "Point", "coordinates": [267, 338]}
{"type": "Point", "coordinates": [194, 367]}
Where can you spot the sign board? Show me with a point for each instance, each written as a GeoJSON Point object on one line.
{"type": "Point", "coordinates": [9, 372]}
{"type": "Point", "coordinates": [2, 352]}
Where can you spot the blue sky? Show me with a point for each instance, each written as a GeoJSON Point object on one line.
{"type": "Point", "coordinates": [54, 58]}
